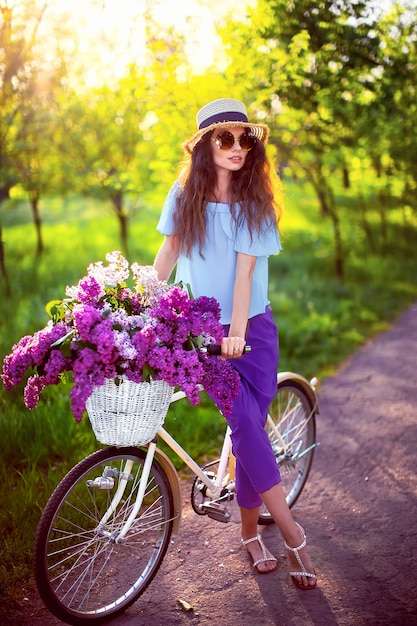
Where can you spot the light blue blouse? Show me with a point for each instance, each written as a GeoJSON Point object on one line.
{"type": "Point", "coordinates": [213, 273]}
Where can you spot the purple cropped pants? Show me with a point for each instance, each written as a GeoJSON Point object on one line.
{"type": "Point", "coordinates": [256, 468]}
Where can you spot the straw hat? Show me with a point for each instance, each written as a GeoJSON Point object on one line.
{"type": "Point", "coordinates": [224, 112]}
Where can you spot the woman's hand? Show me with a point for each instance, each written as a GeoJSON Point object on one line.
{"type": "Point", "coordinates": [232, 347]}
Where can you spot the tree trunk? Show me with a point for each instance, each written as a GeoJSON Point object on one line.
{"type": "Point", "coordinates": [321, 195]}
{"type": "Point", "coordinates": [117, 200]}
{"type": "Point", "coordinates": [346, 178]}
{"type": "Point", "coordinates": [383, 197]}
{"type": "Point", "coordinates": [328, 208]}
{"type": "Point", "coordinates": [34, 203]}
{"type": "Point", "coordinates": [339, 254]}
{"type": "Point", "coordinates": [365, 224]}
{"type": "Point", "coordinates": [4, 195]}
{"type": "Point", "coordinates": [3, 267]}
{"type": "Point", "coordinates": [124, 232]}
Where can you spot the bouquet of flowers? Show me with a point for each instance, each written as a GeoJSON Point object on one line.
{"type": "Point", "coordinates": [105, 329]}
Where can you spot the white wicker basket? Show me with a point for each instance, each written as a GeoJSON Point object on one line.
{"type": "Point", "coordinates": [128, 413]}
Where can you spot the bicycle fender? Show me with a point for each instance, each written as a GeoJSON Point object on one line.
{"type": "Point", "coordinates": [303, 382]}
{"type": "Point", "coordinates": [172, 475]}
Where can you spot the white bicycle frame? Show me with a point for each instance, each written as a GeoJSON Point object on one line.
{"type": "Point", "coordinates": [224, 476]}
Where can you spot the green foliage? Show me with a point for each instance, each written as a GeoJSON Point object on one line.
{"type": "Point", "coordinates": [321, 319]}
{"type": "Point", "coordinates": [335, 84]}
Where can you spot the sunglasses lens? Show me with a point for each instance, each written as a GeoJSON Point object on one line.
{"type": "Point", "coordinates": [247, 141]}
{"type": "Point", "coordinates": [225, 140]}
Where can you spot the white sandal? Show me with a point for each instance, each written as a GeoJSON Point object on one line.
{"type": "Point", "coordinates": [303, 571]}
{"type": "Point", "coordinates": [264, 558]}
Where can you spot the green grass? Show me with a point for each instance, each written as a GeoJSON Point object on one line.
{"type": "Point", "coordinates": [321, 321]}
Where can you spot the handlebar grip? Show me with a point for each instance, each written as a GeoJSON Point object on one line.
{"type": "Point", "coordinates": [217, 350]}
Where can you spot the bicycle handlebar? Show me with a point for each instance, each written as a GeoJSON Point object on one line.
{"type": "Point", "coordinates": [217, 350]}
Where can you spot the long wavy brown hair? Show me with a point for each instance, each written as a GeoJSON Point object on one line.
{"type": "Point", "coordinates": [253, 193]}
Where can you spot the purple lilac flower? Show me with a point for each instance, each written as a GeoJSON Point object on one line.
{"type": "Point", "coordinates": [173, 304]}
{"type": "Point", "coordinates": [205, 317]}
{"type": "Point", "coordinates": [30, 351]}
{"type": "Point", "coordinates": [149, 331]}
{"type": "Point", "coordinates": [88, 372]}
{"type": "Point", "coordinates": [124, 347]}
{"type": "Point", "coordinates": [162, 361]}
{"type": "Point", "coordinates": [171, 333]}
{"type": "Point", "coordinates": [143, 341]}
{"type": "Point", "coordinates": [89, 290]}
{"type": "Point", "coordinates": [135, 323]}
{"type": "Point", "coordinates": [85, 362]}
{"type": "Point", "coordinates": [137, 303]}
{"type": "Point", "coordinates": [120, 318]}
{"type": "Point", "coordinates": [102, 338]}
{"type": "Point", "coordinates": [189, 372]}
{"type": "Point", "coordinates": [86, 317]}
{"type": "Point", "coordinates": [42, 341]}
{"type": "Point", "coordinates": [124, 293]}
{"type": "Point", "coordinates": [221, 382]}
{"type": "Point", "coordinates": [172, 315]}
{"type": "Point", "coordinates": [79, 395]}
{"type": "Point", "coordinates": [16, 363]}
{"type": "Point", "coordinates": [55, 365]}
{"type": "Point", "coordinates": [33, 389]}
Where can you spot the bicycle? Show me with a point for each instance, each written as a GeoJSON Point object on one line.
{"type": "Point", "coordinates": [106, 528]}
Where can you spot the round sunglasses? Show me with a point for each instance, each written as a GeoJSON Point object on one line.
{"type": "Point", "coordinates": [225, 140]}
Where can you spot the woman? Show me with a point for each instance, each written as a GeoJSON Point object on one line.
{"type": "Point", "coordinates": [220, 222]}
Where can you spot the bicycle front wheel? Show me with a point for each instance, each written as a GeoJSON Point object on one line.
{"type": "Point", "coordinates": [83, 572]}
{"type": "Point", "coordinates": [293, 414]}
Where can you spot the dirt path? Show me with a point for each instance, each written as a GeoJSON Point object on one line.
{"type": "Point", "coordinates": [359, 509]}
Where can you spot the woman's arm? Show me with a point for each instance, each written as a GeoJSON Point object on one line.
{"type": "Point", "coordinates": [167, 256]}
{"type": "Point", "coordinates": [232, 346]}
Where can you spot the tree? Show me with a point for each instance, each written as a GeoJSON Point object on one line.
{"type": "Point", "coordinates": [398, 98]}
{"type": "Point", "coordinates": [32, 69]}
{"type": "Point", "coordinates": [18, 30]}
{"type": "Point", "coordinates": [34, 158]}
{"type": "Point", "coordinates": [175, 94]}
{"type": "Point", "coordinates": [316, 62]}
{"type": "Point", "coordinates": [100, 140]}
{"type": "Point", "coordinates": [34, 155]}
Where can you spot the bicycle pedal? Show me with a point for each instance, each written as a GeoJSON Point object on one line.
{"type": "Point", "coordinates": [216, 511]}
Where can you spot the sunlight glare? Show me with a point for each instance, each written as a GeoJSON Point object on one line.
{"type": "Point", "coordinates": [111, 33]}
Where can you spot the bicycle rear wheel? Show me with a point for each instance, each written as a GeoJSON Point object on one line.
{"type": "Point", "coordinates": [81, 572]}
{"type": "Point", "coordinates": [293, 414]}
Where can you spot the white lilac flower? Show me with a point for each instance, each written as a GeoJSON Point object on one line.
{"type": "Point", "coordinates": [114, 274]}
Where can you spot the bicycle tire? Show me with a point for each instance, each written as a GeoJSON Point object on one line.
{"type": "Point", "coordinates": [81, 573]}
{"type": "Point", "coordinates": [293, 414]}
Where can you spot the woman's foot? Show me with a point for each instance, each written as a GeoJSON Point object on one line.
{"type": "Point", "coordinates": [263, 561]}
{"type": "Point", "coordinates": [302, 571]}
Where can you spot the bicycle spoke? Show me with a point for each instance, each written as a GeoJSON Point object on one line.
{"type": "Point", "coordinates": [81, 567]}
{"type": "Point", "coordinates": [293, 416]}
